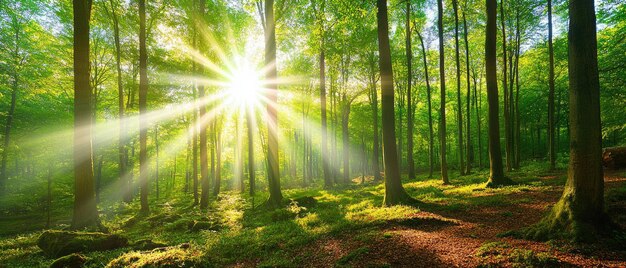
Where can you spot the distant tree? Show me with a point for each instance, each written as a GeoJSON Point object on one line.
{"type": "Point", "coordinates": [394, 192]}
{"type": "Point", "coordinates": [143, 97]}
{"type": "Point", "coordinates": [85, 209]}
{"type": "Point", "coordinates": [203, 125]}
{"type": "Point", "coordinates": [459, 117]}
{"type": "Point", "coordinates": [551, 123]}
{"type": "Point", "coordinates": [431, 140]}
{"type": "Point", "coordinates": [411, 112]}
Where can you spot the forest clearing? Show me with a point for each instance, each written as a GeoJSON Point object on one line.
{"type": "Point", "coordinates": [313, 133]}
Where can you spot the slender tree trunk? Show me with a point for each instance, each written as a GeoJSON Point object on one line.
{"type": "Point", "coordinates": [459, 104]}
{"type": "Point", "coordinates": [507, 119]}
{"type": "Point", "coordinates": [551, 123]}
{"type": "Point", "coordinates": [121, 149]}
{"type": "Point", "coordinates": [143, 94]}
{"type": "Point", "coordinates": [325, 160]}
{"type": "Point", "coordinates": [202, 135]}
{"type": "Point", "coordinates": [273, 178]}
{"type": "Point", "coordinates": [410, 113]}
{"type": "Point", "coordinates": [376, 143]}
{"type": "Point", "coordinates": [442, 109]}
{"type": "Point", "coordinates": [196, 122]}
{"type": "Point", "coordinates": [468, 143]}
{"type": "Point", "coordinates": [218, 168]}
{"type": "Point", "coordinates": [394, 192]}
{"type": "Point", "coordinates": [496, 172]}
{"type": "Point", "coordinates": [516, 112]}
{"type": "Point", "coordinates": [85, 209]}
{"type": "Point", "coordinates": [156, 169]}
{"type": "Point", "coordinates": [251, 169]}
{"type": "Point", "coordinates": [431, 141]}
{"type": "Point", "coordinates": [345, 116]}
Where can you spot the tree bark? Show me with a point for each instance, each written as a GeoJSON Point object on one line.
{"type": "Point", "coordinates": [410, 114]}
{"type": "Point", "coordinates": [273, 178]}
{"type": "Point", "coordinates": [496, 172]}
{"type": "Point", "coordinates": [202, 133]}
{"type": "Point", "coordinates": [394, 192]}
{"type": "Point", "coordinates": [459, 104]}
{"type": "Point", "coordinates": [468, 143]}
{"type": "Point", "coordinates": [579, 214]}
{"type": "Point", "coordinates": [85, 208]}
{"type": "Point", "coordinates": [431, 140]}
{"type": "Point", "coordinates": [442, 109]}
{"type": "Point", "coordinates": [551, 123]}
{"type": "Point", "coordinates": [507, 117]}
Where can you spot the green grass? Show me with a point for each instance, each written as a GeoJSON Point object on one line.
{"type": "Point", "coordinates": [277, 237]}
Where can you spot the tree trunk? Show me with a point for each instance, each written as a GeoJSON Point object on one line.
{"type": "Point", "coordinates": [579, 214]}
{"type": "Point", "coordinates": [327, 180]}
{"type": "Point", "coordinates": [442, 109]}
{"type": "Point", "coordinates": [431, 141]}
{"type": "Point", "coordinates": [273, 178]}
{"type": "Point", "coordinates": [156, 158]}
{"type": "Point", "coordinates": [345, 116]}
{"type": "Point", "coordinates": [496, 173]}
{"type": "Point", "coordinates": [202, 135]}
{"type": "Point", "coordinates": [85, 209]}
{"type": "Point", "coordinates": [251, 169]}
{"type": "Point", "coordinates": [507, 119]}
{"type": "Point", "coordinates": [410, 113]}
{"type": "Point", "coordinates": [459, 104]}
{"type": "Point", "coordinates": [551, 144]}
{"type": "Point", "coordinates": [376, 143]}
{"type": "Point", "coordinates": [394, 192]}
{"type": "Point", "coordinates": [468, 143]}
{"type": "Point", "coordinates": [121, 149]}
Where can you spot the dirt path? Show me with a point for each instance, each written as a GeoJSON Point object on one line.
{"type": "Point", "coordinates": [452, 238]}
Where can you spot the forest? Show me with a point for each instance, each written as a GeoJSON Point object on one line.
{"type": "Point", "coordinates": [313, 133]}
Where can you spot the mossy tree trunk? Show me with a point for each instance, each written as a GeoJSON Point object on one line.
{"type": "Point", "coordinates": [579, 214]}
{"type": "Point", "coordinates": [394, 192]}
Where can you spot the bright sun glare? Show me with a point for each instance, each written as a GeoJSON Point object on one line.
{"type": "Point", "coordinates": [245, 85]}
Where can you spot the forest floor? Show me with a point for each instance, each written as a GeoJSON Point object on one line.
{"type": "Point", "coordinates": [457, 225]}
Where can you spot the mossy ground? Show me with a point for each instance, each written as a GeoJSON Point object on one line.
{"type": "Point", "coordinates": [236, 233]}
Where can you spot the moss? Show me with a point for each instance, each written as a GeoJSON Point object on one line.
{"type": "Point", "coordinates": [179, 256]}
{"type": "Point", "coordinates": [563, 223]}
{"type": "Point", "coordinates": [162, 218]}
{"type": "Point", "coordinates": [70, 261]}
{"type": "Point", "coordinates": [204, 225]}
{"type": "Point", "coordinates": [147, 244]}
{"type": "Point", "coordinates": [60, 243]}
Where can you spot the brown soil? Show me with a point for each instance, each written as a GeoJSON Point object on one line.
{"type": "Point", "coordinates": [451, 238]}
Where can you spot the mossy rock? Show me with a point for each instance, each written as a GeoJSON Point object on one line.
{"type": "Point", "coordinates": [147, 244]}
{"type": "Point", "coordinates": [73, 260]}
{"type": "Point", "coordinates": [60, 243]}
{"type": "Point", "coordinates": [204, 225]}
{"type": "Point", "coordinates": [178, 256]}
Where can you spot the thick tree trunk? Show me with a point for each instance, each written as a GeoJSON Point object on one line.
{"type": "Point", "coordinates": [459, 104]}
{"type": "Point", "coordinates": [442, 108]}
{"type": "Point", "coordinates": [579, 214]}
{"type": "Point", "coordinates": [394, 192]}
{"type": "Point", "coordinates": [431, 139]}
{"type": "Point", "coordinates": [273, 178]}
{"type": "Point", "coordinates": [85, 209]}
{"type": "Point", "coordinates": [496, 174]}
